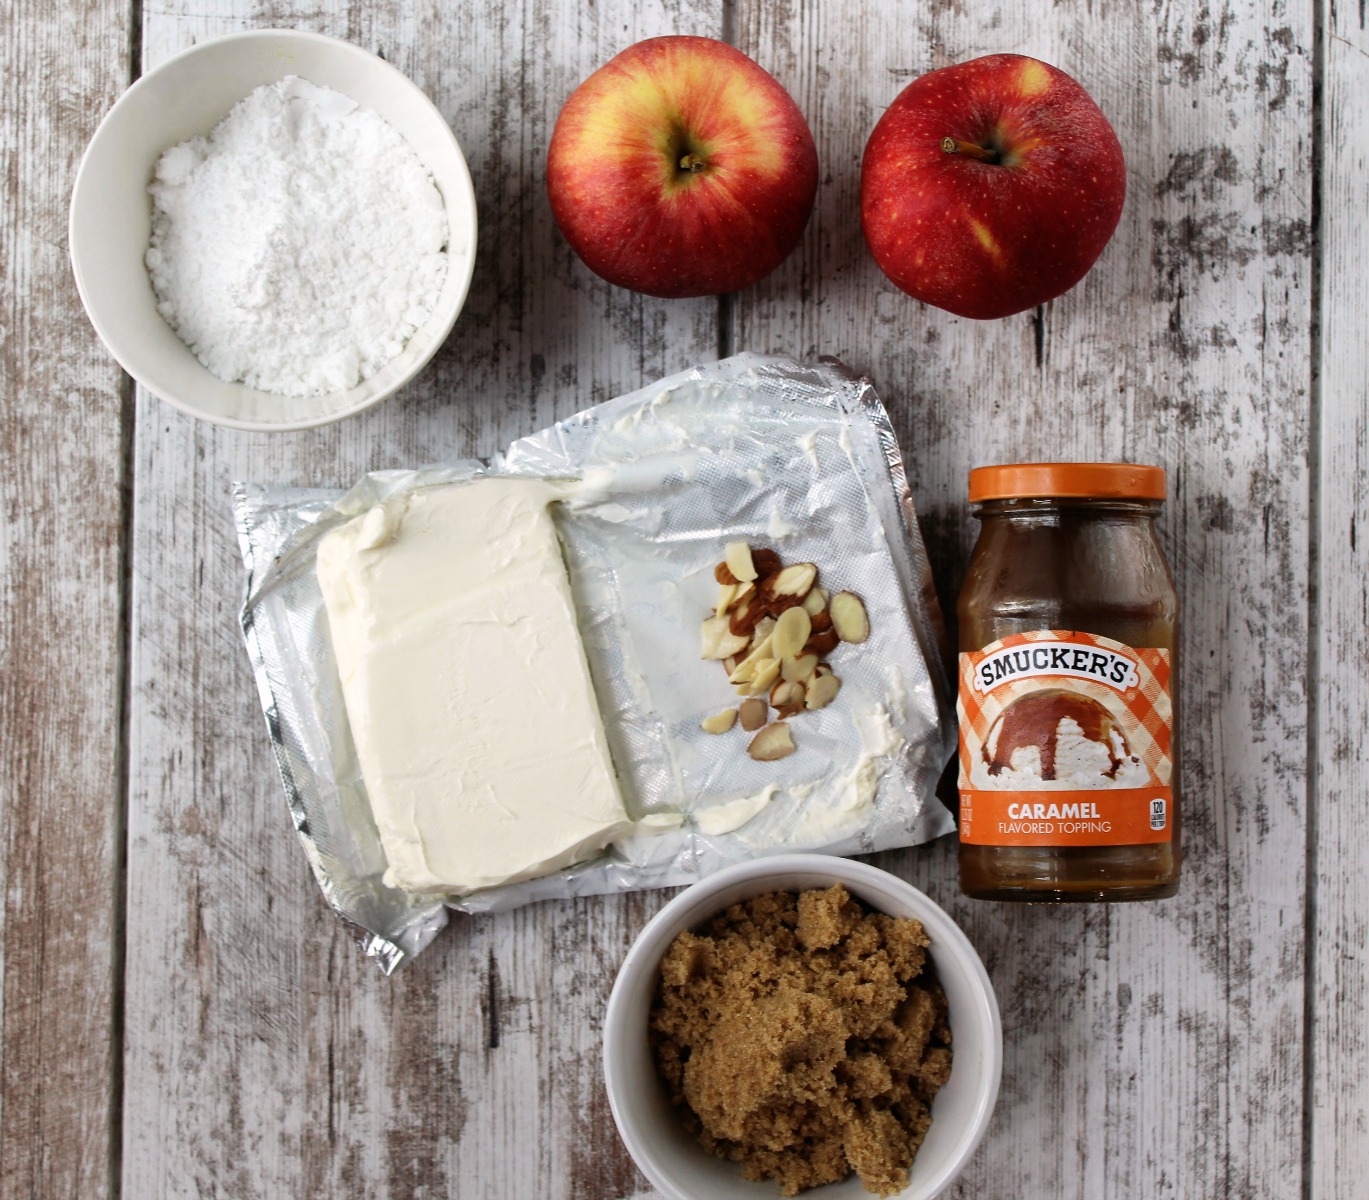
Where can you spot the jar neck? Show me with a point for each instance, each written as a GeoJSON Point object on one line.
{"type": "Point", "coordinates": [1028, 506]}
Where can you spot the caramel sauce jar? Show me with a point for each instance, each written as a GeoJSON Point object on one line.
{"type": "Point", "coordinates": [1068, 637]}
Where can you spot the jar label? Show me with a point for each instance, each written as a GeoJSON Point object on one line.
{"type": "Point", "coordinates": [1065, 740]}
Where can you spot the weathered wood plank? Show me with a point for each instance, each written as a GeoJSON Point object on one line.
{"type": "Point", "coordinates": [265, 1057]}
{"type": "Point", "coordinates": [1152, 1049]}
{"type": "Point", "coordinates": [61, 659]}
{"type": "Point", "coordinates": [1339, 1148]}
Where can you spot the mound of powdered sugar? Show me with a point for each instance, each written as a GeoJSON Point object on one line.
{"type": "Point", "coordinates": [299, 245]}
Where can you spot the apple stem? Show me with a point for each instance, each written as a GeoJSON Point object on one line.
{"type": "Point", "coordinates": [954, 146]}
{"type": "Point", "coordinates": [694, 163]}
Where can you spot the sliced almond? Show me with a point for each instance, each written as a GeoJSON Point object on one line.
{"type": "Point", "coordinates": [787, 696]}
{"type": "Point", "coordinates": [727, 593]}
{"type": "Point", "coordinates": [723, 575]}
{"type": "Point", "coordinates": [765, 627]}
{"type": "Point", "coordinates": [849, 618]}
{"type": "Point", "coordinates": [747, 615]}
{"type": "Point", "coordinates": [737, 556]}
{"type": "Point", "coordinates": [717, 641]}
{"type": "Point", "coordinates": [822, 669]}
{"type": "Point", "coordinates": [738, 620]}
{"type": "Point", "coordinates": [791, 632]}
{"type": "Point", "coordinates": [731, 595]}
{"type": "Point", "coordinates": [754, 713]}
{"type": "Point", "coordinates": [711, 636]}
{"type": "Point", "coordinates": [774, 741]}
{"type": "Point", "coordinates": [730, 663]}
{"type": "Point", "coordinates": [822, 643]}
{"type": "Point", "coordinates": [815, 602]}
{"type": "Point", "coordinates": [798, 669]}
{"type": "Point", "coordinates": [766, 562]}
{"type": "Point", "coordinates": [767, 671]}
{"type": "Point", "coordinates": [746, 669]}
{"type": "Point", "coordinates": [777, 605]}
{"type": "Point", "coordinates": [719, 722]}
{"type": "Point", "coordinates": [796, 580]}
{"type": "Point", "coordinates": [822, 691]}
{"type": "Point", "coordinates": [732, 645]}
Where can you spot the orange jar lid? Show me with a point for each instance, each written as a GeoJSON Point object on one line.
{"type": "Point", "coordinates": [1117, 481]}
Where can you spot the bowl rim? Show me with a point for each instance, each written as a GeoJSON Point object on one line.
{"type": "Point", "coordinates": [650, 944]}
{"type": "Point", "coordinates": [465, 198]}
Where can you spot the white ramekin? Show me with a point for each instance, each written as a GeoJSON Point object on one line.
{"type": "Point", "coordinates": [111, 214]}
{"type": "Point", "coordinates": [652, 1131]}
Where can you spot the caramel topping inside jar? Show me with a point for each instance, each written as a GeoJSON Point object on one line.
{"type": "Point", "coordinates": [1068, 632]}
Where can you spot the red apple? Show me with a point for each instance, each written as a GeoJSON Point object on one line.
{"type": "Point", "coordinates": [991, 186]}
{"type": "Point", "coordinates": [681, 168]}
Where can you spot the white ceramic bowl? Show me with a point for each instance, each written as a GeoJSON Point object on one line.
{"type": "Point", "coordinates": [652, 1131]}
{"type": "Point", "coordinates": [111, 214]}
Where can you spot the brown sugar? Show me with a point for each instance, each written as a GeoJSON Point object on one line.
{"type": "Point", "coordinates": [800, 1036]}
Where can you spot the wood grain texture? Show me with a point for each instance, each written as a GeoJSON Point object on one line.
{"type": "Point", "coordinates": [1156, 1050]}
{"type": "Point", "coordinates": [1151, 1050]}
{"type": "Point", "coordinates": [265, 1057]}
{"type": "Point", "coordinates": [61, 657]}
{"type": "Point", "coordinates": [1339, 859]}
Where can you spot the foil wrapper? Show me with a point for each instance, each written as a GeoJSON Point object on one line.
{"type": "Point", "coordinates": [798, 457]}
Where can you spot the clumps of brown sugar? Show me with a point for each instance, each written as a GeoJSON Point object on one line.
{"type": "Point", "coordinates": [801, 1037]}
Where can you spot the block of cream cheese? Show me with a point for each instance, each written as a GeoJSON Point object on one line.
{"type": "Point", "coordinates": [466, 685]}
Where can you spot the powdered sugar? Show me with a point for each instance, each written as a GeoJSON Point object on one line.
{"type": "Point", "coordinates": [300, 245]}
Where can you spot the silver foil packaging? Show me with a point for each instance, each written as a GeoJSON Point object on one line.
{"type": "Point", "coordinates": [797, 457]}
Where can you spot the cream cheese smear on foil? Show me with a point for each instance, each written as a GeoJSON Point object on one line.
{"type": "Point", "coordinates": [466, 686]}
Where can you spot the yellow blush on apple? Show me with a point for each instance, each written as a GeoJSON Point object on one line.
{"type": "Point", "coordinates": [991, 186]}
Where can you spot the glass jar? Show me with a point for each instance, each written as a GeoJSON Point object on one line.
{"type": "Point", "coordinates": [1068, 635]}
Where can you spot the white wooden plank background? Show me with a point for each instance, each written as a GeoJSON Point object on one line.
{"type": "Point", "coordinates": [222, 1037]}
{"type": "Point", "coordinates": [63, 510]}
{"type": "Point", "coordinates": [1338, 905]}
